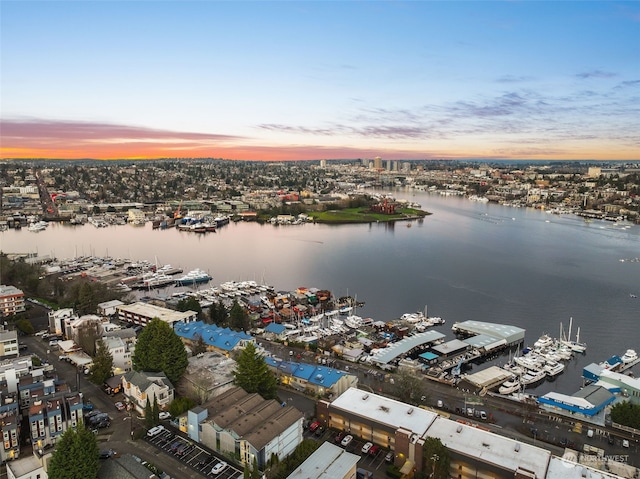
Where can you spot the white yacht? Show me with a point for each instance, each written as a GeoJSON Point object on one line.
{"type": "Point", "coordinates": [629, 356]}
{"type": "Point", "coordinates": [543, 342]}
{"type": "Point", "coordinates": [531, 377]}
{"type": "Point", "coordinates": [510, 386]}
{"type": "Point", "coordinates": [553, 368]}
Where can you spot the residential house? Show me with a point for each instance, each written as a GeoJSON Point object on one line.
{"type": "Point", "coordinates": [138, 387]}
{"type": "Point", "coordinates": [120, 352]}
{"type": "Point", "coordinates": [109, 308]}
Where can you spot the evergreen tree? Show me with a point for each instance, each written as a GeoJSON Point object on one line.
{"type": "Point", "coordinates": [159, 349]}
{"type": "Point", "coordinates": [436, 460]}
{"type": "Point", "coordinates": [155, 411]}
{"type": "Point", "coordinates": [238, 317]}
{"type": "Point", "coordinates": [76, 455]}
{"type": "Point", "coordinates": [102, 368]}
{"type": "Point", "coordinates": [252, 374]}
{"type": "Point", "coordinates": [148, 415]}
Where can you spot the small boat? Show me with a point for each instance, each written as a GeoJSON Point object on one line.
{"type": "Point", "coordinates": [543, 342]}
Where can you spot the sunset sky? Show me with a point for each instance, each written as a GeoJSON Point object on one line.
{"type": "Point", "coordinates": [301, 80]}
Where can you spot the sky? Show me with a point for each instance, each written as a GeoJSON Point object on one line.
{"type": "Point", "coordinates": [308, 80]}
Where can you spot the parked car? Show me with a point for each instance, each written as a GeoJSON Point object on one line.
{"type": "Point", "coordinates": [218, 468]}
{"type": "Point", "coordinates": [339, 437]}
{"type": "Point", "coordinates": [440, 404]}
{"type": "Point", "coordinates": [389, 457]}
{"type": "Point", "coordinates": [155, 431]}
{"type": "Point", "coordinates": [366, 447]}
{"type": "Point", "coordinates": [374, 450]}
{"type": "Point", "coordinates": [625, 443]}
{"type": "Point", "coordinates": [314, 425]}
{"type": "Point", "coordinates": [120, 406]}
{"type": "Point", "coordinates": [106, 453]}
{"type": "Point", "coordinates": [164, 415]}
{"type": "Point", "coordinates": [346, 440]}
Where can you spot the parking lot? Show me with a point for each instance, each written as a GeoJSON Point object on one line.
{"type": "Point", "coordinates": [373, 461]}
{"type": "Point", "coordinates": [194, 456]}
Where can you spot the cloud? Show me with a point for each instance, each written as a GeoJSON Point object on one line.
{"type": "Point", "coordinates": [596, 74]}
{"type": "Point", "coordinates": [90, 131]}
{"type": "Point", "coordinates": [514, 79]}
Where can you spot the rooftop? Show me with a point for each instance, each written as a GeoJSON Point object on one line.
{"type": "Point", "coordinates": [390, 412]}
{"type": "Point", "coordinates": [327, 462]}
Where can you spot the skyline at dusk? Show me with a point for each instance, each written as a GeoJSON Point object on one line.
{"type": "Point", "coordinates": [320, 80]}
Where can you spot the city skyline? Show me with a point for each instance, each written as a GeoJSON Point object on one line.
{"type": "Point", "coordinates": [320, 80]}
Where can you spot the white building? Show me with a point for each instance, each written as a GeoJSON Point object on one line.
{"type": "Point", "coordinates": [26, 468]}
{"type": "Point", "coordinates": [58, 318]}
{"type": "Point", "coordinates": [142, 313]}
{"type": "Point", "coordinates": [120, 351]}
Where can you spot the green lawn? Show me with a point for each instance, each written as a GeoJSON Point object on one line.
{"type": "Point", "coordinates": [363, 215]}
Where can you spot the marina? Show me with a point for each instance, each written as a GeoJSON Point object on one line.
{"type": "Point", "coordinates": [585, 281]}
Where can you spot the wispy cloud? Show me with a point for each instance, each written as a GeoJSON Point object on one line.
{"type": "Point", "coordinates": [596, 74]}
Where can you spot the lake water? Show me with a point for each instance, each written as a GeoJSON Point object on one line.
{"type": "Point", "coordinates": [468, 260]}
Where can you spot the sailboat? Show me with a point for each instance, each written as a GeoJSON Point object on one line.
{"type": "Point", "coordinates": [576, 345]}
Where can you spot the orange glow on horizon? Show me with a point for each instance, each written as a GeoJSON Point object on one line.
{"type": "Point", "coordinates": [149, 152]}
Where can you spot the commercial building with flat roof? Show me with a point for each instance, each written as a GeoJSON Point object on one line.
{"type": "Point", "coordinates": [142, 313]}
{"type": "Point", "coordinates": [327, 462]}
{"type": "Point", "coordinates": [474, 451]}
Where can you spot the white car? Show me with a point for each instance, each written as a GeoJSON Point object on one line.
{"type": "Point", "coordinates": [164, 415]}
{"type": "Point", "coordinates": [346, 440]}
{"type": "Point", "coordinates": [218, 468]}
{"type": "Point", "coordinates": [366, 447]}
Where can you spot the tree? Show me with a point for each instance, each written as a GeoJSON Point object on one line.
{"type": "Point", "coordinates": [87, 335]}
{"type": "Point", "coordinates": [218, 314]}
{"type": "Point", "coordinates": [102, 368]}
{"type": "Point", "coordinates": [76, 455]}
{"type": "Point", "coordinates": [148, 414]}
{"type": "Point", "coordinates": [199, 346]}
{"type": "Point", "coordinates": [155, 411]}
{"type": "Point", "coordinates": [436, 459]}
{"type": "Point", "coordinates": [190, 304]}
{"type": "Point", "coordinates": [238, 317]}
{"type": "Point", "coordinates": [409, 388]}
{"type": "Point", "coordinates": [159, 349]}
{"type": "Point", "coordinates": [252, 374]}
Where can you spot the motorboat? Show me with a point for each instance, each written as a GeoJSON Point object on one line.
{"type": "Point", "coordinates": [510, 386]}
{"type": "Point", "coordinates": [553, 368]}
{"type": "Point", "coordinates": [193, 277]}
{"type": "Point", "coordinates": [532, 377]}
{"type": "Point", "coordinates": [629, 356]}
{"type": "Point", "coordinates": [543, 342]}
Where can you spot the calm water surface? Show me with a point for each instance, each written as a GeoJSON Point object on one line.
{"type": "Point", "coordinates": [468, 260]}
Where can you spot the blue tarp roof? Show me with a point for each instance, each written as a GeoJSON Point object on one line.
{"type": "Point", "coordinates": [220, 338]}
{"type": "Point", "coordinates": [275, 328]}
{"type": "Point", "coordinates": [319, 375]}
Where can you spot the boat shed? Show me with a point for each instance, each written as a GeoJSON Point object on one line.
{"type": "Point", "coordinates": [486, 343]}
{"type": "Point", "coordinates": [488, 378]}
{"type": "Point", "coordinates": [393, 351]}
{"type": "Point", "coordinates": [450, 348]}
{"type": "Point", "coordinates": [510, 334]}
